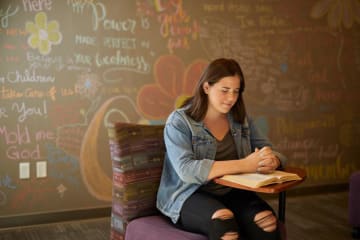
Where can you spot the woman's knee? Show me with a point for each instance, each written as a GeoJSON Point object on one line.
{"type": "Point", "coordinates": [224, 225]}
{"type": "Point", "coordinates": [266, 220]}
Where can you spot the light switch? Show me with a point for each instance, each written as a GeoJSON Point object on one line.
{"type": "Point", "coordinates": [41, 169]}
{"type": "Point", "coordinates": [24, 170]}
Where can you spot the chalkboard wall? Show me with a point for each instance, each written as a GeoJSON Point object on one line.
{"type": "Point", "coordinates": [69, 66]}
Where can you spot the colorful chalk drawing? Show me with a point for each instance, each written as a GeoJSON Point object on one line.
{"type": "Point", "coordinates": [70, 67]}
{"type": "Point", "coordinates": [88, 85]}
{"type": "Point", "coordinates": [98, 183]}
{"type": "Point", "coordinates": [44, 34]}
{"type": "Point", "coordinates": [339, 13]}
{"type": "Point", "coordinates": [173, 84]}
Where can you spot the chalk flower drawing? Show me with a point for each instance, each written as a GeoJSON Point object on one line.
{"type": "Point", "coordinates": [43, 34]}
{"type": "Point", "coordinates": [339, 12]}
{"type": "Point", "coordinates": [88, 85]}
{"type": "Point", "coordinates": [173, 84]}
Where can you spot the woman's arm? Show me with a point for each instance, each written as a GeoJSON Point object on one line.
{"type": "Point", "coordinates": [247, 165]}
{"type": "Point", "coordinates": [179, 150]}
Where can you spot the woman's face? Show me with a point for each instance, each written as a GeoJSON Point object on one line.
{"type": "Point", "coordinates": [223, 94]}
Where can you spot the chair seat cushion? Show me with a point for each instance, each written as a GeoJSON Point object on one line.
{"type": "Point", "coordinates": [157, 227]}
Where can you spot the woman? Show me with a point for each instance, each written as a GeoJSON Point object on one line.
{"type": "Point", "coordinates": [208, 137]}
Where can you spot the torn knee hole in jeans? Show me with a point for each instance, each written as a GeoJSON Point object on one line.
{"type": "Point", "coordinates": [230, 236]}
{"type": "Point", "coordinates": [223, 214]}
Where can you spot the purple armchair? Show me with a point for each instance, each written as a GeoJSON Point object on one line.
{"type": "Point", "coordinates": [354, 206]}
{"type": "Point", "coordinates": [137, 153]}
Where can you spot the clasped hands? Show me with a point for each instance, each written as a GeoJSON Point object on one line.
{"type": "Point", "coordinates": [264, 160]}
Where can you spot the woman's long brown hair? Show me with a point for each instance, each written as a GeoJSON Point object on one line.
{"type": "Point", "coordinates": [216, 70]}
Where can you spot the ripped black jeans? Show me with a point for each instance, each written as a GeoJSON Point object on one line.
{"type": "Point", "coordinates": [196, 215]}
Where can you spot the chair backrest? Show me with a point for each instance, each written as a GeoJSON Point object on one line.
{"type": "Point", "coordinates": [137, 154]}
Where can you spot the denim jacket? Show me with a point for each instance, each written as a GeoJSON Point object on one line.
{"type": "Point", "coordinates": [190, 154]}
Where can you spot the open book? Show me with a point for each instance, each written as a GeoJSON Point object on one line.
{"type": "Point", "coordinates": [255, 180]}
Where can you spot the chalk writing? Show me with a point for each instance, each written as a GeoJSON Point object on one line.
{"type": "Point", "coordinates": [292, 98]}
{"type": "Point", "coordinates": [85, 40]}
{"type": "Point", "coordinates": [175, 24]}
{"type": "Point", "coordinates": [28, 76]}
{"type": "Point", "coordinates": [64, 92]}
{"type": "Point", "coordinates": [334, 171]}
{"type": "Point", "coordinates": [36, 5]}
{"type": "Point", "coordinates": [44, 135]}
{"type": "Point", "coordinates": [6, 14]}
{"type": "Point", "coordinates": [127, 25]}
{"type": "Point", "coordinates": [297, 128]}
{"type": "Point", "coordinates": [246, 22]}
{"type": "Point", "coordinates": [44, 61]}
{"type": "Point", "coordinates": [99, 13]}
{"type": "Point", "coordinates": [19, 136]}
{"type": "Point", "coordinates": [14, 32]}
{"type": "Point", "coordinates": [124, 43]}
{"type": "Point", "coordinates": [298, 144]}
{"type": "Point", "coordinates": [11, 93]}
{"type": "Point", "coordinates": [25, 111]}
{"type": "Point", "coordinates": [239, 7]}
{"type": "Point", "coordinates": [177, 27]}
{"type": "Point", "coordinates": [214, 7]}
{"type": "Point", "coordinates": [272, 21]}
{"type": "Point", "coordinates": [309, 150]}
{"type": "Point", "coordinates": [130, 63]}
{"type": "Point", "coordinates": [95, 8]}
{"type": "Point", "coordinates": [328, 152]}
{"type": "Point", "coordinates": [82, 59]}
{"type": "Point", "coordinates": [26, 153]}
{"type": "Point", "coordinates": [145, 44]}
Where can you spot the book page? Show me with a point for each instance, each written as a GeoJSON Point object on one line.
{"type": "Point", "coordinates": [258, 179]}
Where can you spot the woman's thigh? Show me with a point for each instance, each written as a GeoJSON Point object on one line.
{"type": "Point", "coordinates": [245, 204]}
{"type": "Point", "coordinates": [197, 211]}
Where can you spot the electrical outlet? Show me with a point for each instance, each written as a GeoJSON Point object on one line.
{"type": "Point", "coordinates": [41, 169]}
{"type": "Point", "coordinates": [24, 170]}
